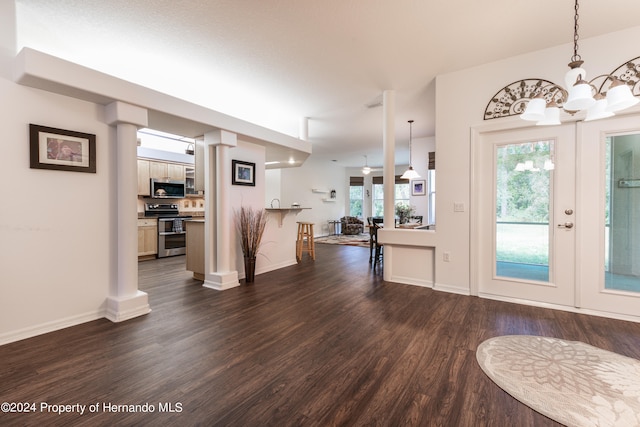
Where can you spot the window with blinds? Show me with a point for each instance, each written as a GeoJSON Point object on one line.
{"type": "Point", "coordinates": [356, 196]}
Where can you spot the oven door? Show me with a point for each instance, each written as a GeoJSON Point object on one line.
{"type": "Point", "coordinates": [172, 237]}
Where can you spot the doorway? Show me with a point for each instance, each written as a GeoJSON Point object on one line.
{"type": "Point", "coordinates": [558, 215]}
{"type": "Point", "coordinates": [526, 215]}
{"type": "Point", "coordinates": [609, 250]}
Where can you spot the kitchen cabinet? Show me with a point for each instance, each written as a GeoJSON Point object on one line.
{"type": "Point", "coordinates": [148, 169]}
{"type": "Point", "coordinates": [190, 180]}
{"type": "Point", "coordinates": [144, 189]}
{"type": "Point", "coordinates": [162, 170]}
{"type": "Point", "coordinates": [147, 238]}
{"type": "Point", "coordinates": [175, 171]}
{"type": "Point", "coordinates": [158, 170]}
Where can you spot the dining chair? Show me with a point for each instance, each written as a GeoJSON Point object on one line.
{"type": "Point", "coordinates": [378, 247]}
{"type": "Point", "coordinates": [371, 220]}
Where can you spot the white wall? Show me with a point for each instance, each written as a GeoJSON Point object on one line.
{"type": "Point", "coordinates": [57, 257]}
{"type": "Point", "coordinates": [297, 185]}
{"type": "Point", "coordinates": [273, 180]}
{"type": "Point", "coordinates": [278, 242]}
{"type": "Point", "coordinates": [420, 149]}
{"type": "Point", "coordinates": [461, 98]}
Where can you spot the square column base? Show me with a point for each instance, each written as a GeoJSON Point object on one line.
{"type": "Point", "coordinates": [221, 281]}
{"type": "Point", "coordinates": [125, 308]}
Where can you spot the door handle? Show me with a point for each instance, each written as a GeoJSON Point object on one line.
{"type": "Point", "coordinates": [566, 225]}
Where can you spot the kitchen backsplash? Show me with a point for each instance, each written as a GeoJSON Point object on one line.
{"type": "Point", "coordinates": [190, 206]}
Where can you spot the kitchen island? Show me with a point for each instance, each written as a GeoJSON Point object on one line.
{"type": "Point", "coordinates": [278, 249]}
{"type": "Point", "coordinates": [195, 247]}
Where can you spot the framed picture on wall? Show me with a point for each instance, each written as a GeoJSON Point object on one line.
{"type": "Point", "coordinates": [60, 149]}
{"type": "Point", "coordinates": [244, 173]}
{"type": "Point", "coordinates": [418, 187]}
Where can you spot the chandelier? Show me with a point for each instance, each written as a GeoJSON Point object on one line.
{"type": "Point", "coordinates": [410, 173]}
{"type": "Point", "coordinates": [544, 108]}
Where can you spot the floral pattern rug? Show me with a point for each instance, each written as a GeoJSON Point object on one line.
{"type": "Point", "coordinates": [345, 239]}
{"type": "Point", "coordinates": [570, 382]}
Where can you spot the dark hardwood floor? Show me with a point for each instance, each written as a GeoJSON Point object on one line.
{"type": "Point", "coordinates": [320, 343]}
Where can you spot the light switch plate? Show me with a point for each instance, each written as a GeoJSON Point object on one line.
{"type": "Point", "coordinates": [458, 207]}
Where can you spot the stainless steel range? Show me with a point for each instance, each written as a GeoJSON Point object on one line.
{"type": "Point", "coordinates": [172, 237]}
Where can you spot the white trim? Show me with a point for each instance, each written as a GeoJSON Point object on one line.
{"type": "Point", "coordinates": [569, 309]}
{"type": "Point", "coordinates": [451, 289]}
{"type": "Point", "coordinates": [47, 327]}
{"type": "Point", "coordinates": [406, 280]}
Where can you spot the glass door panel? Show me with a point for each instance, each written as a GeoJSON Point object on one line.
{"type": "Point", "coordinates": [523, 200]}
{"type": "Point", "coordinates": [622, 213]}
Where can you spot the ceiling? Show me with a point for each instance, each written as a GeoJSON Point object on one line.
{"type": "Point", "coordinates": [274, 62]}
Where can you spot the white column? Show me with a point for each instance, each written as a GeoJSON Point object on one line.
{"type": "Point", "coordinates": [389, 161]}
{"type": "Point", "coordinates": [304, 129]}
{"type": "Point", "coordinates": [219, 274]}
{"type": "Point", "coordinates": [126, 300]}
{"type": "Point", "coordinates": [8, 36]}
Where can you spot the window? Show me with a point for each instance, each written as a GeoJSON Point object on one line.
{"type": "Point", "coordinates": [431, 188]}
{"type": "Point", "coordinates": [402, 192]}
{"type": "Point", "coordinates": [431, 192]}
{"type": "Point", "coordinates": [377, 203]}
{"type": "Point", "coordinates": [356, 190]}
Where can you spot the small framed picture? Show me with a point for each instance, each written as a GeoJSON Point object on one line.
{"type": "Point", "coordinates": [418, 187]}
{"type": "Point", "coordinates": [60, 149]}
{"type": "Point", "coordinates": [244, 173]}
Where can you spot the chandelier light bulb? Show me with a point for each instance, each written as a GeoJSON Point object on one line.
{"type": "Point", "coordinates": [580, 97]}
{"type": "Point", "coordinates": [535, 110]}
{"type": "Point", "coordinates": [619, 96]}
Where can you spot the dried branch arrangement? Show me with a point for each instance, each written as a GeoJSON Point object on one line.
{"type": "Point", "coordinates": [250, 224]}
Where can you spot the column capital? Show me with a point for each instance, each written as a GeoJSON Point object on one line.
{"type": "Point", "coordinates": [221, 137]}
{"type": "Point", "coordinates": [120, 112]}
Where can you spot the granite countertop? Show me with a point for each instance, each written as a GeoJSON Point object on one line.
{"type": "Point", "coordinates": [199, 215]}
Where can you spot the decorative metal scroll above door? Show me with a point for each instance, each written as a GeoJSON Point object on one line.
{"type": "Point", "coordinates": [512, 99]}
{"type": "Point", "coordinates": [629, 72]}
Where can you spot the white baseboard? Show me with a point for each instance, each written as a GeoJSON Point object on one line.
{"type": "Point", "coordinates": [47, 327]}
{"type": "Point", "coordinates": [569, 309]}
{"type": "Point", "coordinates": [451, 289]}
{"type": "Point", "coordinates": [411, 281]}
{"type": "Point", "coordinates": [271, 267]}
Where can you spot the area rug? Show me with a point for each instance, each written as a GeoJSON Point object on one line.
{"type": "Point", "coordinates": [345, 239]}
{"type": "Point", "coordinates": [570, 382]}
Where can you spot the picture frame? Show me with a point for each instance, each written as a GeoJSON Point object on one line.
{"type": "Point", "coordinates": [60, 149]}
{"type": "Point", "coordinates": [418, 187]}
{"type": "Point", "coordinates": [244, 173]}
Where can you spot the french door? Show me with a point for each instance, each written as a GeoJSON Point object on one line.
{"type": "Point", "coordinates": [608, 273]}
{"type": "Point", "coordinates": [558, 215]}
{"type": "Point", "coordinates": [526, 225]}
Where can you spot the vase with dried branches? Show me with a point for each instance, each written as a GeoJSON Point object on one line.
{"type": "Point", "coordinates": [250, 224]}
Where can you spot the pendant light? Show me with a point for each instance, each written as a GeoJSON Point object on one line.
{"type": "Point", "coordinates": [410, 173]}
{"type": "Point", "coordinates": [580, 94]}
{"type": "Point", "coordinates": [366, 169]}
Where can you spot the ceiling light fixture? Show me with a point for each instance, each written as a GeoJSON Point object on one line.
{"type": "Point", "coordinates": [581, 94]}
{"type": "Point", "coordinates": [410, 173]}
{"type": "Point", "coordinates": [366, 169]}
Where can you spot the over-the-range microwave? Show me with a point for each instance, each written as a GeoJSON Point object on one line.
{"type": "Point", "coordinates": [163, 189]}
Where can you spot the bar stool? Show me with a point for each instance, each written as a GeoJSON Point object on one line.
{"type": "Point", "coordinates": [305, 230]}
